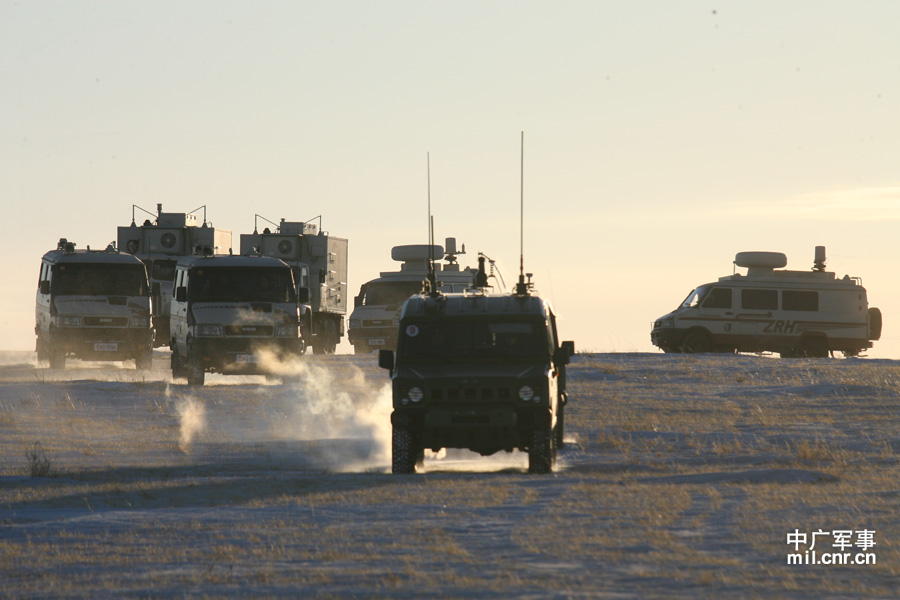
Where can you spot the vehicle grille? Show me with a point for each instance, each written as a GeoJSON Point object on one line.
{"type": "Point", "coordinates": [106, 321]}
{"type": "Point", "coordinates": [470, 394]}
{"type": "Point", "coordinates": [377, 322]}
{"type": "Point", "coordinates": [249, 330]}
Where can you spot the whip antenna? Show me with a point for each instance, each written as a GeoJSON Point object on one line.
{"type": "Point", "coordinates": [521, 287]}
{"type": "Point", "coordinates": [431, 284]}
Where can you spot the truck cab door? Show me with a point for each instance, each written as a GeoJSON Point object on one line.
{"type": "Point", "coordinates": [715, 312]}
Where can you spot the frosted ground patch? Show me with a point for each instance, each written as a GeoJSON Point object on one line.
{"type": "Point", "coordinates": [683, 476]}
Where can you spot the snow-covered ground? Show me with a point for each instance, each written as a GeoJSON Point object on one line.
{"type": "Point", "coordinates": [682, 476]}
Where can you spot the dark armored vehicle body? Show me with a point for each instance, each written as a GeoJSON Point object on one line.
{"type": "Point", "coordinates": [479, 371]}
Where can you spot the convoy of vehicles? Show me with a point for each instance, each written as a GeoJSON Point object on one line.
{"type": "Point", "coordinates": [232, 315]}
{"type": "Point", "coordinates": [92, 305]}
{"type": "Point", "coordinates": [373, 322]}
{"type": "Point", "coordinates": [479, 371]}
{"type": "Point", "coordinates": [794, 313]}
{"type": "Point", "coordinates": [160, 243]}
{"type": "Point", "coordinates": [319, 262]}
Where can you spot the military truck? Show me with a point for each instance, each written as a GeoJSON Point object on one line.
{"type": "Point", "coordinates": [373, 322]}
{"type": "Point", "coordinates": [795, 313]}
{"type": "Point", "coordinates": [230, 313]}
{"type": "Point", "coordinates": [319, 262]}
{"type": "Point", "coordinates": [92, 305]}
{"type": "Point", "coordinates": [480, 371]}
{"type": "Point", "coordinates": [160, 243]}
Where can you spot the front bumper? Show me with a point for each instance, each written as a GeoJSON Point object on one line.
{"type": "Point", "coordinates": [242, 355]}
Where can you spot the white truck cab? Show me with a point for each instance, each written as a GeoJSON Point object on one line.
{"type": "Point", "coordinates": [770, 309]}
{"type": "Point", "coordinates": [92, 305]}
{"type": "Point", "coordinates": [376, 313]}
{"type": "Point", "coordinates": [229, 312]}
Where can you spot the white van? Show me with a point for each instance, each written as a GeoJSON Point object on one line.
{"type": "Point", "coordinates": [795, 313]}
{"type": "Point", "coordinates": [228, 312]}
{"type": "Point", "coordinates": [92, 305]}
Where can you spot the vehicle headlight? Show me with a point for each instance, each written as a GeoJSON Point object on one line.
{"type": "Point", "coordinates": [68, 321]}
{"type": "Point", "coordinates": [139, 322]}
{"type": "Point", "coordinates": [526, 393]}
{"type": "Point", "coordinates": [209, 330]}
{"type": "Point", "coordinates": [286, 331]}
{"type": "Point", "coordinates": [415, 394]}
{"type": "Point", "coordinates": [664, 324]}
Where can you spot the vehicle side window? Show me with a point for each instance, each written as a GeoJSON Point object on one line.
{"type": "Point", "coordinates": [759, 299]}
{"type": "Point", "coordinates": [718, 298]}
{"type": "Point", "coordinates": [800, 300]}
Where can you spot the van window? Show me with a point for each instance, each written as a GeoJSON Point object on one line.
{"type": "Point", "coordinates": [797, 300]}
{"type": "Point", "coordinates": [718, 298]}
{"type": "Point", "coordinates": [759, 299]}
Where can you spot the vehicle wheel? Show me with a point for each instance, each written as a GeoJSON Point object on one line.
{"type": "Point", "coordinates": [43, 355]}
{"type": "Point", "coordinates": [326, 340]}
{"type": "Point", "coordinates": [541, 453]}
{"type": "Point", "coordinates": [361, 349]}
{"type": "Point", "coordinates": [560, 426]}
{"type": "Point", "coordinates": [144, 359]}
{"type": "Point", "coordinates": [814, 347]}
{"type": "Point", "coordinates": [177, 364]}
{"type": "Point", "coordinates": [57, 358]}
{"type": "Point", "coordinates": [196, 374]}
{"type": "Point", "coordinates": [406, 449]}
{"type": "Point", "coordinates": [696, 342]}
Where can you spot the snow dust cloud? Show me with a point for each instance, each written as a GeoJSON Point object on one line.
{"type": "Point", "coordinates": [325, 413]}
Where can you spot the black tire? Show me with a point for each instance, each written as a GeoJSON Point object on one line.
{"type": "Point", "coordinates": [814, 347]}
{"type": "Point", "coordinates": [404, 454]}
{"type": "Point", "coordinates": [144, 359]}
{"type": "Point", "coordinates": [560, 425]}
{"type": "Point", "coordinates": [43, 355]}
{"type": "Point", "coordinates": [361, 349]}
{"type": "Point", "coordinates": [696, 342]}
{"type": "Point", "coordinates": [57, 358]}
{"type": "Point", "coordinates": [542, 452]}
{"type": "Point", "coordinates": [177, 364]}
{"type": "Point", "coordinates": [195, 373]}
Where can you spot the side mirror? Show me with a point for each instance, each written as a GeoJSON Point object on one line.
{"type": "Point", "coordinates": [303, 295]}
{"type": "Point", "coordinates": [565, 352]}
{"type": "Point", "coordinates": [386, 359]}
{"type": "Point", "coordinates": [45, 287]}
{"type": "Point", "coordinates": [181, 294]}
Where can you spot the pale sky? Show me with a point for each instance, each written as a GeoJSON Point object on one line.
{"type": "Point", "coordinates": [661, 138]}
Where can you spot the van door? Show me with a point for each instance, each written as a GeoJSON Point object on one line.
{"type": "Point", "coordinates": [715, 313]}
{"type": "Point", "coordinates": [178, 310]}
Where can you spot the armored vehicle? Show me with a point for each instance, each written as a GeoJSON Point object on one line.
{"type": "Point", "coordinates": [160, 243]}
{"type": "Point", "coordinates": [479, 371]}
{"type": "Point", "coordinates": [373, 322]}
{"type": "Point", "coordinates": [93, 305]}
{"type": "Point", "coordinates": [229, 313]}
{"type": "Point", "coordinates": [795, 313]}
{"type": "Point", "coordinates": [319, 262]}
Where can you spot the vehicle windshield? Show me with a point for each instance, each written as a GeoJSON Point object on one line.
{"type": "Point", "coordinates": [390, 292]}
{"type": "Point", "coordinates": [253, 284]}
{"type": "Point", "coordinates": [695, 297]}
{"type": "Point", "coordinates": [482, 338]}
{"type": "Point", "coordinates": [99, 279]}
{"type": "Point", "coordinates": [163, 270]}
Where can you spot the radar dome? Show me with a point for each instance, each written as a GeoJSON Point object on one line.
{"type": "Point", "coordinates": [760, 260]}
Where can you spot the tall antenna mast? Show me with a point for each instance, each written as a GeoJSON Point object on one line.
{"type": "Point", "coordinates": [431, 285]}
{"type": "Point", "coordinates": [521, 287]}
